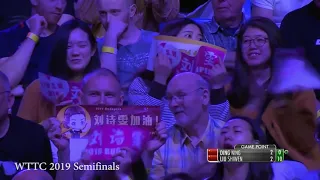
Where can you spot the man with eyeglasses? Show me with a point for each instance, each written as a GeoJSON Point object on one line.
{"type": "Point", "coordinates": [20, 140]}
{"type": "Point", "coordinates": [188, 96]}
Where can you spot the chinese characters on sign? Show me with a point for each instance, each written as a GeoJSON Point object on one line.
{"type": "Point", "coordinates": [114, 128]}
{"type": "Point", "coordinates": [53, 88]}
{"type": "Point", "coordinates": [125, 120]}
{"type": "Point", "coordinates": [187, 55]}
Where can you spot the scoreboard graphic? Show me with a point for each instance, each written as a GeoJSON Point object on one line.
{"type": "Point", "coordinates": [247, 153]}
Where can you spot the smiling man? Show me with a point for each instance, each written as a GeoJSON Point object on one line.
{"type": "Point", "coordinates": [188, 96]}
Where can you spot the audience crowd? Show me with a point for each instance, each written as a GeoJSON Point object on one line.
{"type": "Point", "coordinates": [105, 46]}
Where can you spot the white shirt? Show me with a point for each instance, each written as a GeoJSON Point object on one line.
{"type": "Point", "coordinates": [280, 7]}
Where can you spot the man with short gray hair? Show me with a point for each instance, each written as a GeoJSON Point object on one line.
{"type": "Point", "coordinates": [188, 96]}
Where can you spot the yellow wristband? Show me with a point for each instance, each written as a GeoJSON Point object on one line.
{"type": "Point", "coordinates": [107, 49]}
{"type": "Point", "coordinates": [33, 37]}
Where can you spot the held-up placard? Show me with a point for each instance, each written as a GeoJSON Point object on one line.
{"type": "Point", "coordinates": [187, 55]}
{"type": "Point", "coordinates": [102, 131]}
{"type": "Point", "coordinates": [53, 87]}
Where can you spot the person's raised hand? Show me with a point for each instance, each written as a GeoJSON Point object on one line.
{"type": "Point", "coordinates": [124, 159]}
{"type": "Point", "coordinates": [61, 102]}
{"type": "Point", "coordinates": [114, 27]}
{"type": "Point", "coordinates": [36, 24]}
{"type": "Point", "coordinates": [85, 174]}
{"type": "Point", "coordinates": [55, 133]}
{"type": "Point", "coordinates": [219, 76]}
{"type": "Point", "coordinates": [159, 138]}
{"type": "Point", "coordinates": [162, 68]}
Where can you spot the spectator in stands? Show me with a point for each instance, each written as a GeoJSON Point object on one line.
{"type": "Point", "coordinates": [68, 14]}
{"type": "Point", "coordinates": [242, 130]}
{"type": "Point", "coordinates": [188, 96]}
{"type": "Point", "coordinates": [29, 44]}
{"type": "Point", "coordinates": [204, 10]}
{"type": "Point", "coordinates": [276, 9]}
{"type": "Point", "coordinates": [125, 48]}
{"type": "Point", "coordinates": [293, 111]}
{"type": "Point", "coordinates": [102, 87]}
{"type": "Point", "coordinates": [301, 28]}
{"type": "Point", "coordinates": [157, 12]}
{"type": "Point", "coordinates": [71, 58]}
{"type": "Point", "coordinates": [224, 27]}
{"type": "Point", "coordinates": [150, 87]}
{"type": "Point", "coordinates": [18, 135]}
{"type": "Point", "coordinates": [87, 11]}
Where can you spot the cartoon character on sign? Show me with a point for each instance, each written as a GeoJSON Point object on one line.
{"type": "Point", "coordinates": [117, 136]}
{"type": "Point", "coordinates": [77, 122]}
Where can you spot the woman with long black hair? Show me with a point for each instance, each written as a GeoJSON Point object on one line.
{"type": "Point", "coordinates": [243, 130]}
{"type": "Point", "coordinates": [289, 117]}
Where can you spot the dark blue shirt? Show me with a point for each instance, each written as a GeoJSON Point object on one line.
{"type": "Point", "coordinates": [301, 29]}
{"type": "Point", "coordinates": [12, 38]}
{"type": "Point", "coordinates": [25, 141]}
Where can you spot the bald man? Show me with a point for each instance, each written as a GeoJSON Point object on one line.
{"type": "Point", "coordinates": [125, 48]}
{"type": "Point", "coordinates": [97, 93]}
{"type": "Point", "coordinates": [100, 87]}
{"type": "Point", "coordinates": [188, 96]}
{"type": "Point", "coordinates": [20, 140]}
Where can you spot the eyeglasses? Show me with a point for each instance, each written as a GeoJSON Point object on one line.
{"type": "Point", "coordinates": [179, 97]}
{"type": "Point", "coordinates": [259, 42]}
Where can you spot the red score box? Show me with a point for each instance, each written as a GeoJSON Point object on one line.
{"type": "Point", "coordinates": [212, 152]}
{"type": "Point", "coordinates": [212, 158]}
{"type": "Point", "coordinates": [212, 155]}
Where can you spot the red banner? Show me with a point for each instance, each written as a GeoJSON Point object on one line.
{"type": "Point", "coordinates": [108, 129]}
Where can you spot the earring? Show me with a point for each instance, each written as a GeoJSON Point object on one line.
{"type": "Point", "coordinates": [9, 111]}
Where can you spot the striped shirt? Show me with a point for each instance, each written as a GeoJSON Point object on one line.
{"type": "Point", "coordinates": [139, 96]}
{"type": "Point", "coordinates": [222, 37]}
{"type": "Point", "coordinates": [178, 154]}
